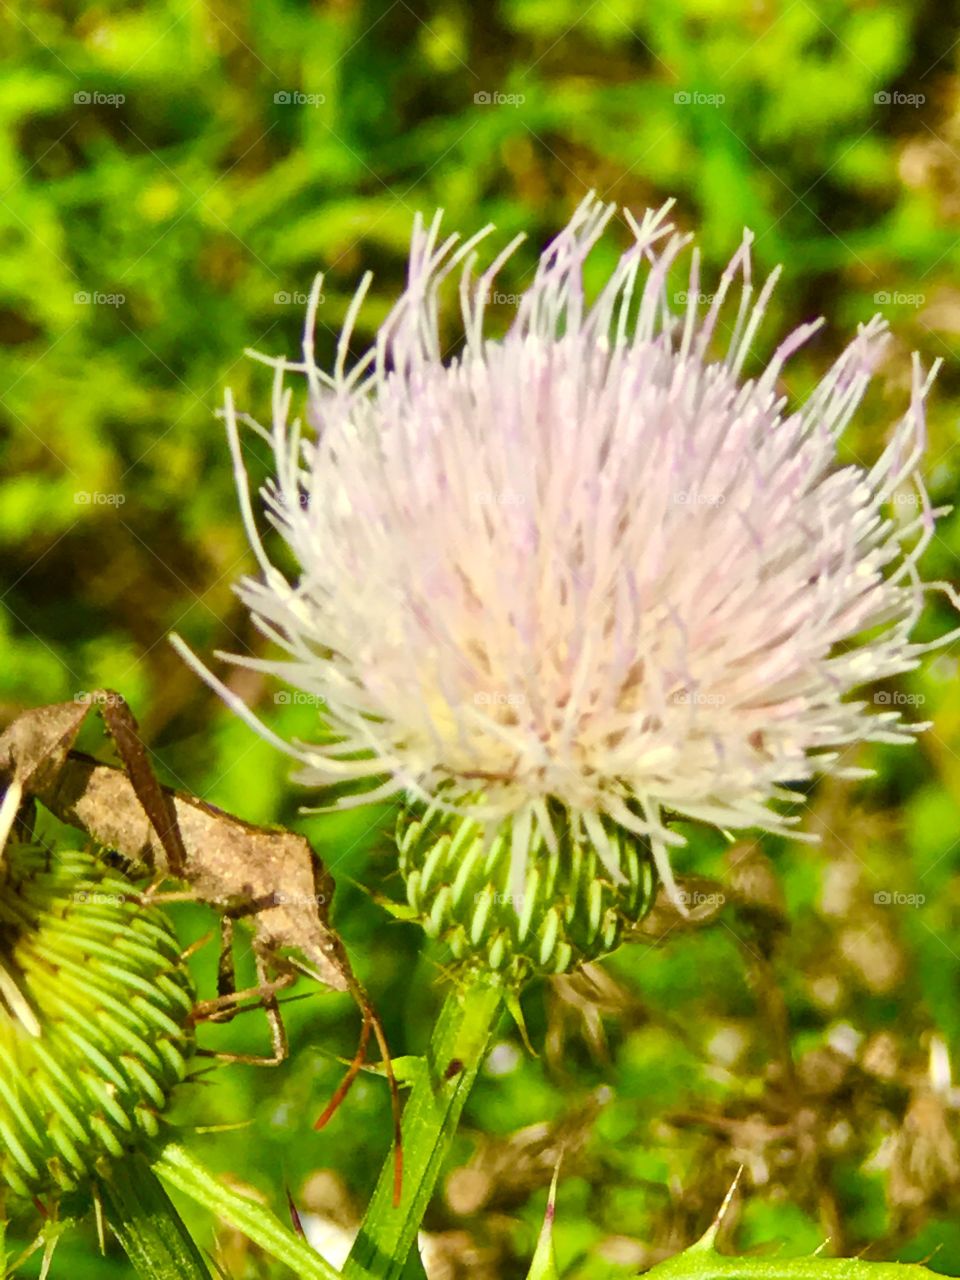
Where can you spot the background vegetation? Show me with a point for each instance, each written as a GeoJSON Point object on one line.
{"type": "Point", "coordinates": [165, 199]}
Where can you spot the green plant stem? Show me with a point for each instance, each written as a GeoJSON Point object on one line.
{"type": "Point", "coordinates": [145, 1222]}
{"type": "Point", "coordinates": [430, 1118]}
{"type": "Point", "coordinates": [179, 1169]}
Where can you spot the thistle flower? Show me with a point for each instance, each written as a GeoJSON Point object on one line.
{"type": "Point", "coordinates": [585, 576]}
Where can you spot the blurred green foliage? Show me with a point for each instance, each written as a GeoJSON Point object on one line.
{"type": "Point", "coordinates": [165, 200]}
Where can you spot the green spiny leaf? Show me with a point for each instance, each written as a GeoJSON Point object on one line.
{"type": "Point", "coordinates": [544, 1265]}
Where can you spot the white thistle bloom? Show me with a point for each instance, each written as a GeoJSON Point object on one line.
{"type": "Point", "coordinates": [584, 567]}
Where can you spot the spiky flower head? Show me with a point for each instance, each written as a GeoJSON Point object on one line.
{"type": "Point", "coordinates": [587, 574]}
{"type": "Point", "coordinates": [95, 1027]}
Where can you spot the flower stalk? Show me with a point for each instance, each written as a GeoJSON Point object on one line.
{"type": "Point", "coordinates": [466, 1023]}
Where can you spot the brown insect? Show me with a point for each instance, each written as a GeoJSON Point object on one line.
{"type": "Point", "coordinates": [272, 878]}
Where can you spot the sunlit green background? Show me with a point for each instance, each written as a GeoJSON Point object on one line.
{"type": "Point", "coordinates": [154, 160]}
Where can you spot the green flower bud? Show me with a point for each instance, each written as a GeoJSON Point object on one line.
{"type": "Point", "coordinates": [95, 1030]}
{"type": "Point", "coordinates": [568, 908]}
